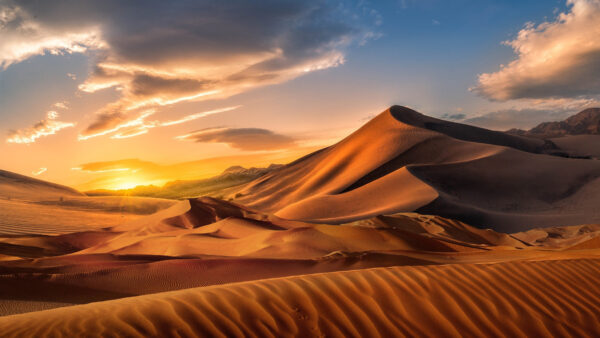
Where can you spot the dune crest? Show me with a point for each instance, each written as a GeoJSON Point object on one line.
{"type": "Point", "coordinates": [433, 167]}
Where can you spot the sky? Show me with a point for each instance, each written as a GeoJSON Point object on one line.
{"type": "Point", "coordinates": [113, 94]}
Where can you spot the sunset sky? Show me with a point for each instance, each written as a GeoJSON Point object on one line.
{"type": "Point", "coordinates": [112, 94]}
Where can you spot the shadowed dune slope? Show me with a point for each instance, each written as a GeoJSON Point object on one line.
{"type": "Point", "coordinates": [580, 145]}
{"type": "Point", "coordinates": [404, 161]}
{"type": "Point", "coordinates": [504, 299]}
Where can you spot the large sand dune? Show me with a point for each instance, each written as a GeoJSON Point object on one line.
{"type": "Point", "coordinates": [403, 161]}
{"type": "Point", "coordinates": [505, 299]}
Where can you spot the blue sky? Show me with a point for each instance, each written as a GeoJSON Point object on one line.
{"type": "Point", "coordinates": [312, 72]}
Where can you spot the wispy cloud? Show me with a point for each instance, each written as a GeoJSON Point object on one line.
{"type": "Point", "coordinates": [197, 116]}
{"type": "Point", "coordinates": [121, 127]}
{"type": "Point", "coordinates": [241, 138]}
{"type": "Point", "coordinates": [555, 59]}
{"type": "Point", "coordinates": [47, 126]}
{"type": "Point", "coordinates": [39, 171]}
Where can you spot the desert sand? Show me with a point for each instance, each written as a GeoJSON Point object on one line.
{"type": "Point", "coordinates": [411, 226]}
{"type": "Point", "coordinates": [504, 299]}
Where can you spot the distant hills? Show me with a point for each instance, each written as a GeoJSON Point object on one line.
{"type": "Point", "coordinates": [214, 186]}
{"type": "Point", "coordinates": [586, 122]}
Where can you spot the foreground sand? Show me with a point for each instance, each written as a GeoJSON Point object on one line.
{"type": "Point", "coordinates": [505, 299]}
{"type": "Point", "coordinates": [203, 242]}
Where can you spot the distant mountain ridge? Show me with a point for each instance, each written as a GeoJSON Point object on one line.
{"type": "Point", "coordinates": [586, 122]}
{"type": "Point", "coordinates": [230, 177]}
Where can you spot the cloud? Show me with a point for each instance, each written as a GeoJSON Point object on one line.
{"type": "Point", "coordinates": [23, 36]}
{"type": "Point", "coordinates": [61, 105]}
{"type": "Point", "coordinates": [457, 116]}
{"type": "Point", "coordinates": [192, 117]}
{"type": "Point", "coordinates": [529, 113]}
{"type": "Point", "coordinates": [111, 122]}
{"type": "Point", "coordinates": [160, 53]}
{"type": "Point", "coordinates": [47, 126]}
{"type": "Point", "coordinates": [122, 126]}
{"type": "Point", "coordinates": [241, 138]}
{"type": "Point", "coordinates": [515, 118]}
{"type": "Point", "coordinates": [555, 59]}
{"type": "Point", "coordinates": [39, 171]}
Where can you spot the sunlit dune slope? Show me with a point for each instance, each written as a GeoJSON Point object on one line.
{"type": "Point", "coordinates": [504, 299]}
{"type": "Point", "coordinates": [404, 161]}
{"type": "Point", "coordinates": [15, 186]}
{"type": "Point", "coordinates": [214, 227]}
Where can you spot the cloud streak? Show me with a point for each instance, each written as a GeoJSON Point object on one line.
{"type": "Point", "coordinates": [248, 139]}
{"type": "Point", "coordinates": [121, 127]}
{"type": "Point", "coordinates": [46, 127]}
{"type": "Point", "coordinates": [39, 171]}
{"type": "Point", "coordinates": [555, 59]}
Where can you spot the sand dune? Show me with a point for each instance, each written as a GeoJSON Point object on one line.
{"type": "Point", "coordinates": [206, 241]}
{"type": "Point", "coordinates": [31, 206]}
{"type": "Point", "coordinates": [433, 167]}
{"type": "Point", "coordinates": [15, 186]}
{"type": "Point", "coordinates": [580, 145]}
{"type": "Point", "coordinates": [73, 214]}
{"type": "Point", "coordinates": [504, 299]}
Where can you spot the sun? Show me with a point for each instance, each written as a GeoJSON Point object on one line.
{"type": "Point", "coordinates": [130, 182]}
{"type": "Point", "coordinates": [126, 185]}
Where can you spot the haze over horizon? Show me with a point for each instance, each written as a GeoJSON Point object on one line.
{"type": "Point", "coordinates": [98, 94]}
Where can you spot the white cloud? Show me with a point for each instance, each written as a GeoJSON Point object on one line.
{"type": "Point", "coordinates": [23, 36]}
{"type": "Point", "coordinates": [61, 105]}
{"type": "Point", "coordinates": [47, 126]}
{"type": "Point", "coordinates": [555, 59]}
{"type": "Point", "coordinates": [39, 171]}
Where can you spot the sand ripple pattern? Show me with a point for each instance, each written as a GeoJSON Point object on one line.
{"type": "Point", "coordinates": [517, 299]}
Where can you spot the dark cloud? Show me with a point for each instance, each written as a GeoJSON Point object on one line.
{"type": "Point", "coordinates": [104, 121]}
{"type": "Point", "coordinates": [147, 85]}
{"type": "Point", "coordinates": [458, 116]}
{"type": "Point", "coordinates": [241, 138]}
{"type": "Point", "coordinates": [163, 52]}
